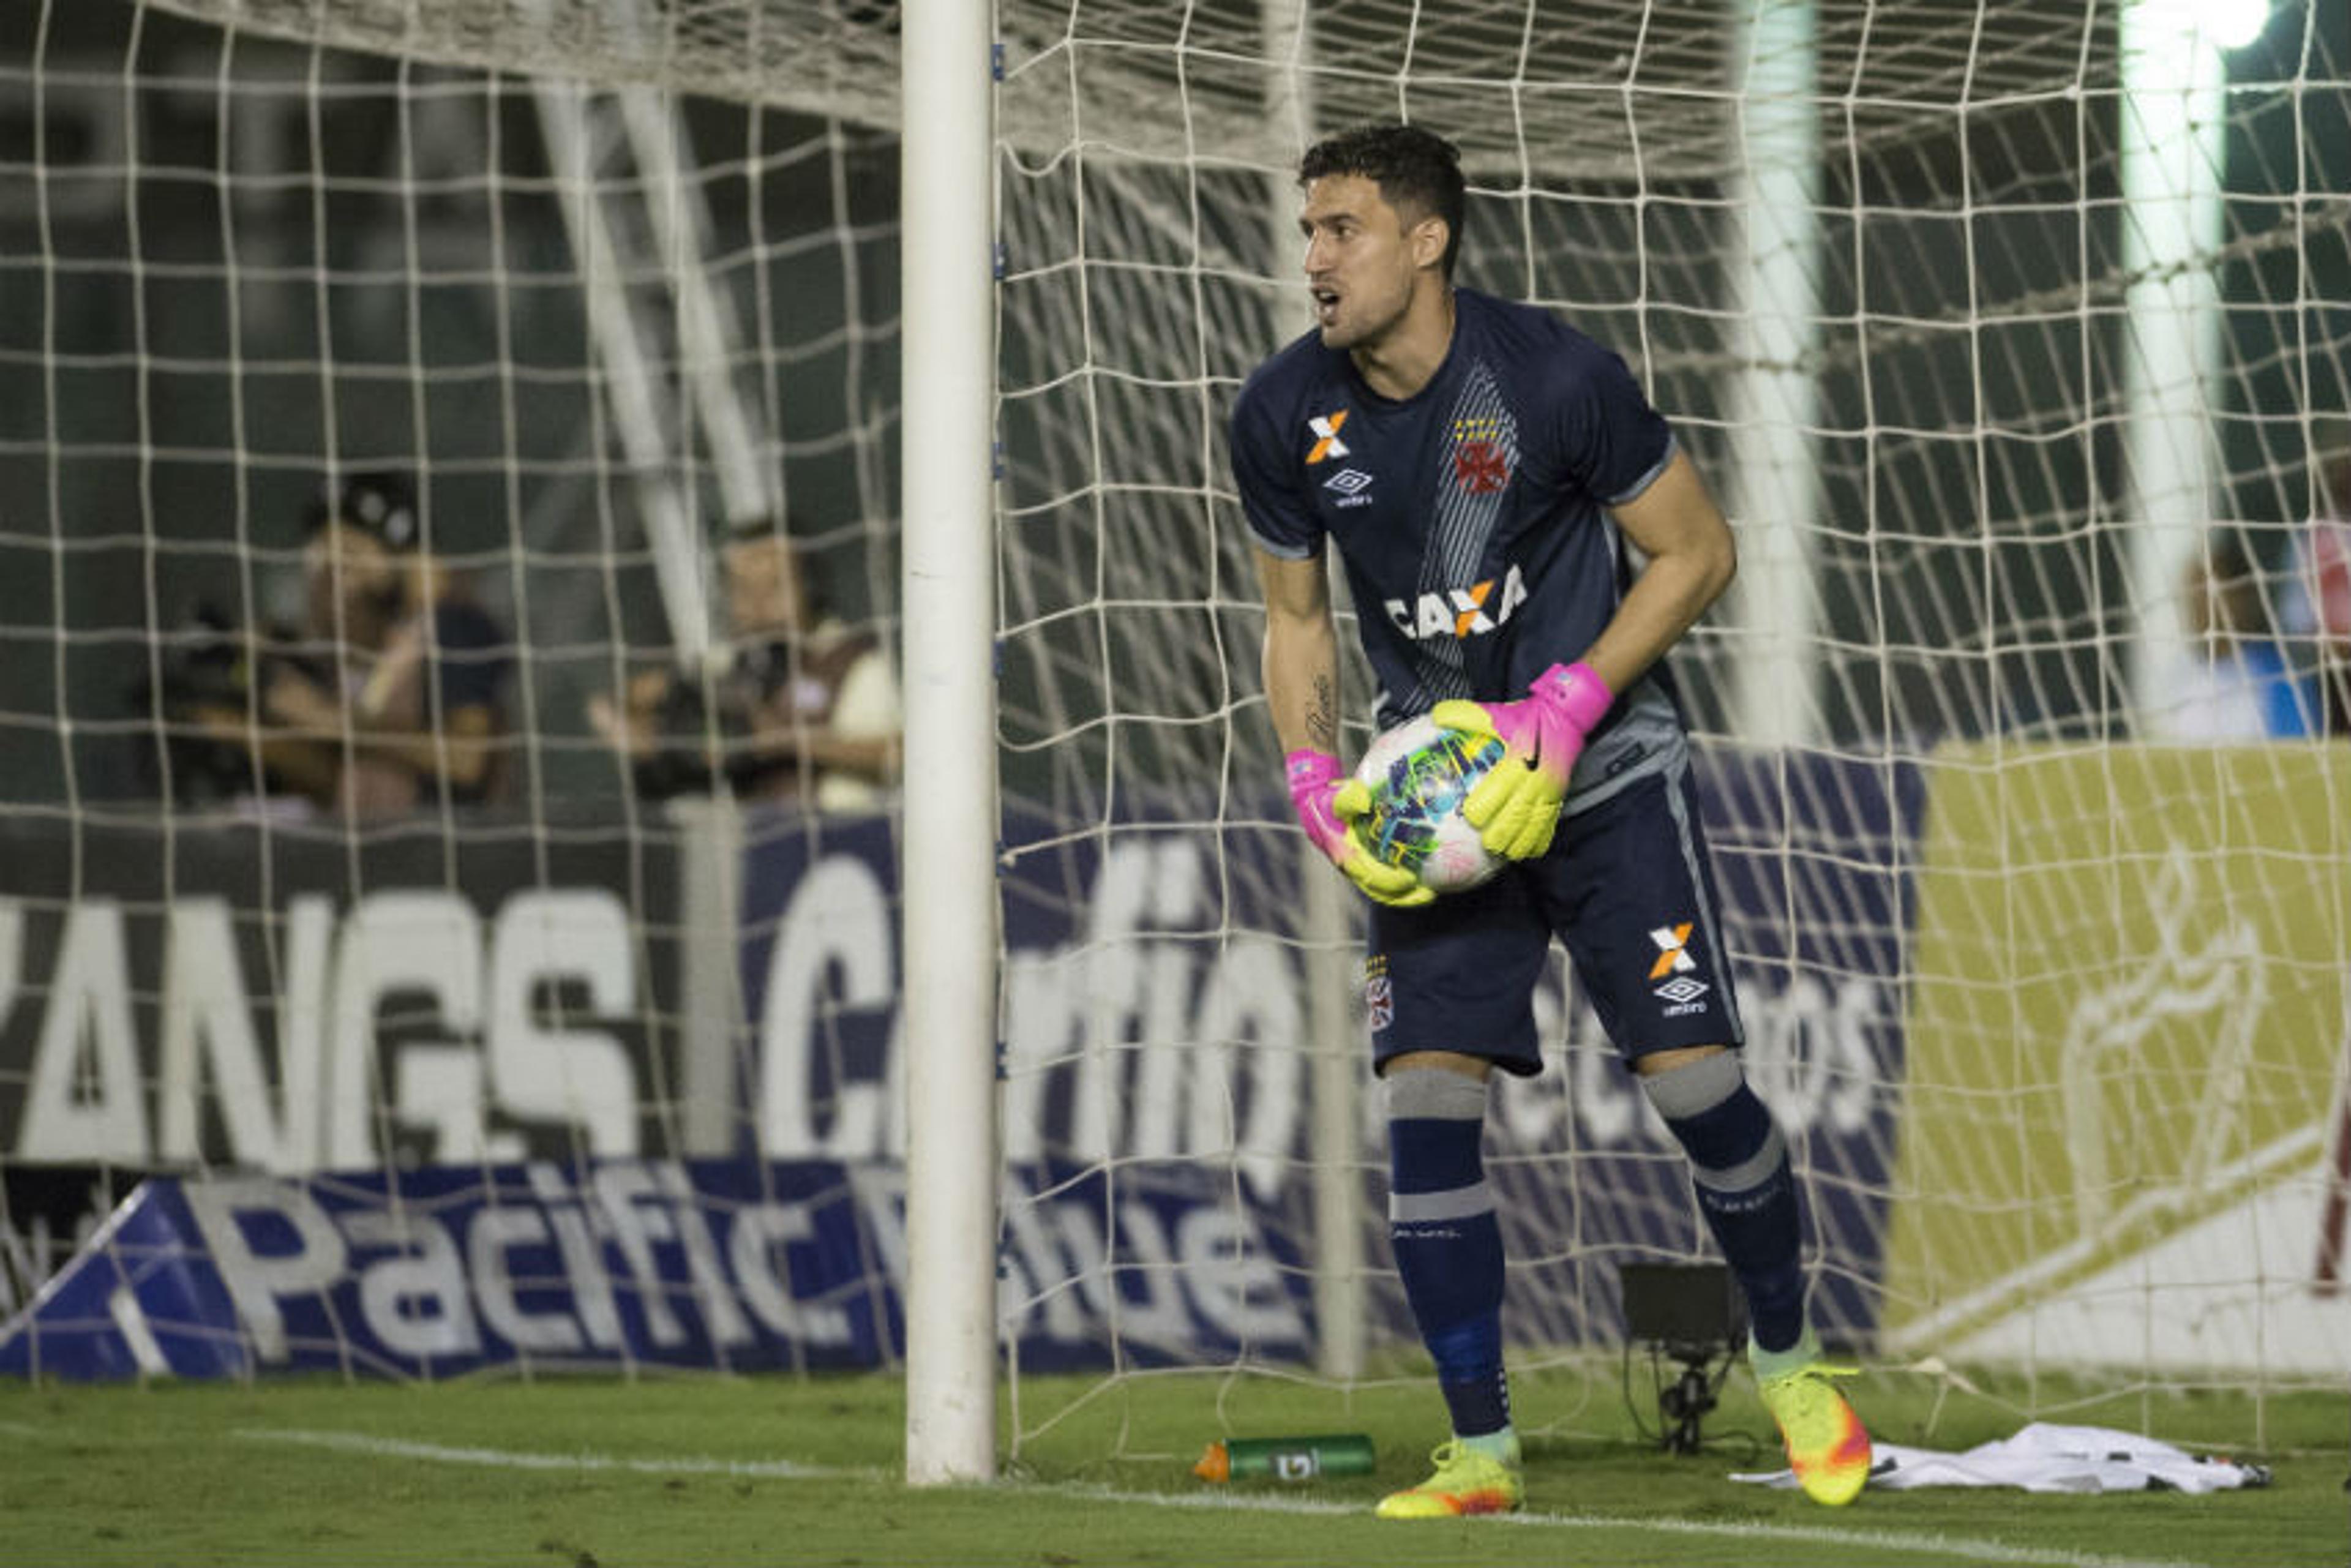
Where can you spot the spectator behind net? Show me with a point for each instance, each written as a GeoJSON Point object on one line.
{"type": "Point", "coordinates": [395, 703]}
{"type": "Point", "coordinates": [207, 670]}
{"type": "Point", "coordinates": [804, 708]}
{"type": "Point", "coordinates": [2327, 568]}
{"type": "Point", "coordinates": [2234, 683]}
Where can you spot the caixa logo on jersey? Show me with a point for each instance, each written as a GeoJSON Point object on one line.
{"type": "Point", "coordinates": [1460, 611]}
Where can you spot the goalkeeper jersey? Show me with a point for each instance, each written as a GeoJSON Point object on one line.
{"type": "Point", "coordinates": [1470, 516]}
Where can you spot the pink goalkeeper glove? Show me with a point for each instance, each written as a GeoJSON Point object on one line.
{"type": "Point", "coordinates": [1516, 806]}
{"type": "Point", "coordinates": [1328, 802]}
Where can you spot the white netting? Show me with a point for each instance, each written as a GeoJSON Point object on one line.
{"type": "Point", "coordinates": [1997, 955]}
{"type": "Point", "coordinates": [590, 338]}
{"type": "Point", "coordinates": [1613, 90]}
{"type": "Point", "coordinates": [1968, 902]}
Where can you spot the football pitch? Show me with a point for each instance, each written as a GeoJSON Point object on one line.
{"type": "Point", "coordinates": [804, 1470]}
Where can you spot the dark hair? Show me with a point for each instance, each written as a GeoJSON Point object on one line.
{"type": "Point", "coordinates": [2228, 558]}
{"type": "Point", "coordinates": [381, 504]}
{"type": "Point", "coordinates": [1418, 173]}
{"type": "Point", "coordinates": [757, 527]}
{"type": "Point", "coordinates": [2335, 487]}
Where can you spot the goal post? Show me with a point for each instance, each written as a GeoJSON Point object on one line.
{"type": "Point", "coordinates": [947, 458]}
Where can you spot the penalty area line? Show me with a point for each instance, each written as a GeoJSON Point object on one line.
{"type": "Point", "coordinates": [1962, 1547]}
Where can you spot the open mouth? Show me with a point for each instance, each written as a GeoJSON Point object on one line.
{"type": "Point", "coordinates": [1326, 305]}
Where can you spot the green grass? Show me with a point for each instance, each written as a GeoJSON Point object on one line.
{"type": "Point", "coordinates": [539, 1473]}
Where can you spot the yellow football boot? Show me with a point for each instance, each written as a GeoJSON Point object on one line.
{"type": "Point", "coordinates": [1466, 1482]}
{"type": "Point", "coordinates": [1827, 1447]}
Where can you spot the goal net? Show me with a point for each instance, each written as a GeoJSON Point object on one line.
{"type": "Point", "coordinates": [2010, 335]}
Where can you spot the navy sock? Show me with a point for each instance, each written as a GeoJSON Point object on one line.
{"type": "Point", "coordinates": [1746, 1190]}
{"type": "Point", "coordinates": [1447, 1245]}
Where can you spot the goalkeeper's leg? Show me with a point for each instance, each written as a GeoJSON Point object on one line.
{"type": "Point", "coordinates": [1746, 1189]}
{"type": "Point", "coordinates": [1462, 969]}
{"type": "Point", "coordinates": [1448, 1248]}
{"type": "Point", "coordinates": [1633, 894]}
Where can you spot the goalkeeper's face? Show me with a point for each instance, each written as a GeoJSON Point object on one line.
{"type": "Point", "coordinates": [1364, 259]}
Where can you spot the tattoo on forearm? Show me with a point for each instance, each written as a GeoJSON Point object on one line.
{"type": "Point", "coordinates": [1322, 715]}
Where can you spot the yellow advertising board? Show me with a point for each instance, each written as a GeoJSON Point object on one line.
{"type": "Point", "coordinates": [2124, 1102]}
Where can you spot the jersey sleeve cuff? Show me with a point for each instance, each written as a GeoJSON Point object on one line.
{"type": "Point", "coordinates": [1283, 550]}
{"type": "Point", "coordinates": [1633, 492]}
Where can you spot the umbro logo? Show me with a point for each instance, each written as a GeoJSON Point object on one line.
{"type": "Point", "coordinates": [1351, 488]}
{"type": "Point", "coordinates": [1681, 989]}
{"type": "Point", "coordinates": [1680, 996]}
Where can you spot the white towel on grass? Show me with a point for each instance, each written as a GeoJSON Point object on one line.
{"type": "Point", "coordinates": [2051, 1458]}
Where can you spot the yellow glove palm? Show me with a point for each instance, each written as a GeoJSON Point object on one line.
{"type": "Point", "coordinates": [1328, 809]}
{"type": "Point", "coordinates": [1515, 808]}
{"type": "Point", "coordinates": [1392, 885]}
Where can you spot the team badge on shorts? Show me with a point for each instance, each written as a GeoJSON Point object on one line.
{"type": "Point", "coordinates": [1379, 992]}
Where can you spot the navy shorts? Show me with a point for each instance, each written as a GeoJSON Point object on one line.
{"type": "Point", "coordinates": [1625, 886]}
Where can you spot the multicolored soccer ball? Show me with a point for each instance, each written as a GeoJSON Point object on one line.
{"type": "Point", "coordinates": [1419, 774]}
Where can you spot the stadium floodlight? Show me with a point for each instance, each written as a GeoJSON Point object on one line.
{"type": "Point", "coordinates": [2224, 23]}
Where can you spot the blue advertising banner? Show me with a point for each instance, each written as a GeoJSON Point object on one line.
{"type": "Point", "coordinates": [282, 997]}
{"type": "Point", "coordinates": [430, 1272]}
{"type": "Point", "coordinates": [1155, 1005]}
{"type": "Point", "coordinates": [489, 1062]}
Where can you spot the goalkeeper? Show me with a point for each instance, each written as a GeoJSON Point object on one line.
{"type": "Point", "coordinates": [1487, 472]}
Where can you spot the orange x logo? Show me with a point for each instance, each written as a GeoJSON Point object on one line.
{"type": "Point", "coordinates": [1670, 956]}
{"type": "Point", "coordinates": [1329, 445]}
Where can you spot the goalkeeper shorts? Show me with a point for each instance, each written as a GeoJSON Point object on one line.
{"type": "Point", "coordinates": [1626, 887]}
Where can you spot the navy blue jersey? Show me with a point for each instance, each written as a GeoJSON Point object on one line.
{"type": "Point", "coordinates": [1470, 516]}
{"type": "Point", "coordinates": [470, 655]}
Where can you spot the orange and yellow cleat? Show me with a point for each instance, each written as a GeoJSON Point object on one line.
{"type": "Point", "coordinates": [1466, 1482]}
{"type": "Point", "coordinates": [1827, 1447]}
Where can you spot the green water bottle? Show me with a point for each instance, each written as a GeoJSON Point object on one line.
{"type": "Point", "coordinates": [1286, 1459]}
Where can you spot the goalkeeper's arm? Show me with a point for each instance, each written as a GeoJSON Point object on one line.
{"type": "Point", "coordinates": [1692, 559]}
{"type": "Point", "coordinates": [1302, 689]}
{"type": "Point", "coordinates": [1301, 654]}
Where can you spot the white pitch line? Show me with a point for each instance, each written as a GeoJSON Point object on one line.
{"type": "Point", "coordinates": [1878, 1539]}
{"type": "Point", "coordinates": [1960, 1547]}
{"type": "Point", "coordinates": [508, 1460]}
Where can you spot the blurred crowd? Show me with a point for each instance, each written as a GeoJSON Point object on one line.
{"type": "Point", "coordinates": [393, 693]}
{"type": "Point", "coordinates": [2268, 655]}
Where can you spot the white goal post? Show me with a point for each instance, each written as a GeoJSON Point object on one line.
{"type": "Point", "coordinates": [948, 348]}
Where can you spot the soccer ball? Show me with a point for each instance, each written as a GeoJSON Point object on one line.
{"type": "Point", "coordinates": [1419, 774]}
